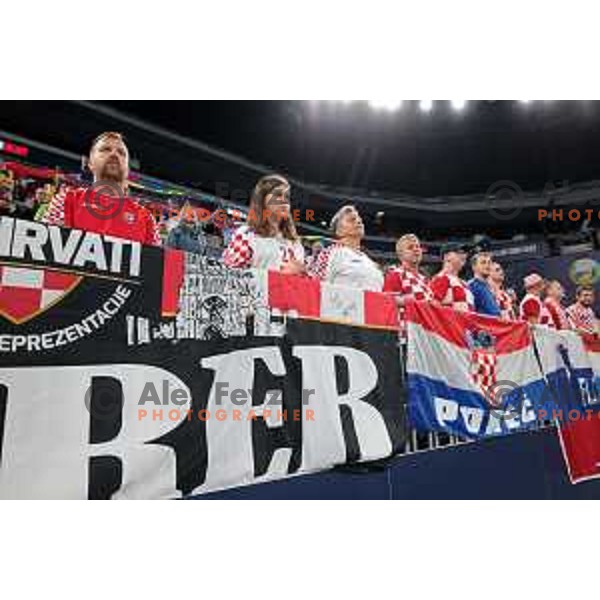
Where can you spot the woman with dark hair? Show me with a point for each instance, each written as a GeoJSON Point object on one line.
{"type": "Point", "coordinates": [268, 240]}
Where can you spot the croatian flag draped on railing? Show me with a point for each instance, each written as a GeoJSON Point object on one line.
{"type": "Point", "coordinates": [133, 372]}
{"type": "Point", "coordinates": [476, 376]}
{"type": "Point", "coordinates": [470, 375]}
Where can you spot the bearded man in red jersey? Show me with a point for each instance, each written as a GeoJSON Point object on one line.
{"type": "Point", "coordinates": [105, 207]}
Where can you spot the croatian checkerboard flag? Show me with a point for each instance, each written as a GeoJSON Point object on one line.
{"type": "Point", "coordinates": [468, 374]}
{"type": "Point", "coordinates": [571, 364]}
{"type": "Point", "coordinates": [26, 292]}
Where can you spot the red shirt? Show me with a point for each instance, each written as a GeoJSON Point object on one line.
{"type": "Point", "coordinates": [505, 304]}
{"type": "Point", "coordinates": [407, 282]}
{"type": "Point", "coordinates": [451, 290]}
{"type": "Point", "coordinates": [533, 307]}
{"type": "Point", "coordinates": [121, 217]}
{"type": "Point", "coordinates": [582, 317]}
{"type": "Point", "coordinates": [558, 314]}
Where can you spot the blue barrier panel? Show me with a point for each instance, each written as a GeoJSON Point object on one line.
{"type": "Point", "coordinates": [522, 466]}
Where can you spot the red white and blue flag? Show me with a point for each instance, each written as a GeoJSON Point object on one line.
{"type": "Point", "coordinates": [571, 364]}
{"type": "Point", "coordinates": [469, 374]}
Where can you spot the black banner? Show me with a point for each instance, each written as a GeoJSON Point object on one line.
{"type": "Point", "coordinates": [102, 397]}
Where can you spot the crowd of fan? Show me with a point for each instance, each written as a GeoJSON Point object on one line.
{"type": "Point", "coordinates": [25, 198]}
{"type": "Point", "coordinates": [29, 192]}
{"type": "Point", "coordinates": [269, 240]}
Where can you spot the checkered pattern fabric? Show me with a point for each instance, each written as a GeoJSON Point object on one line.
{"type": "Point", "coordinates": [240, 249]}
{"type": "Point", "coordinates": [505, 304]}
{"type": "Point", "coordinates": [407, 282]}
{"type": "Point", "coordinates": [483, 371]}
{"type": "Point", "coordinates": [55, 215]}
{"type": "Point", "coordinates": [25, 292]}
{"type": "Point", "coordinates": [451, 290]}
{"type": "Point", "coordinates": [558, 314]}
{"type": "Point", "coordinates": [582, 318]}
{"type": "Point", "coordinates": [532, 306]}
{"type": "Point", "coordinates": [246, 249]}
{"type": "Point", "coordinates": [319, 266]}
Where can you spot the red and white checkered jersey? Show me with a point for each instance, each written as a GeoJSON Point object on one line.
{"type": "Point", "coordinates": [532, 307]}
{"type": "Point", "coordinates": [409, 284]}
{"type": "Point", "coordinates": [247, 250]}
{"type": "Point", "coordinates": [582, 317]}
{"type": "Point", "coordinates": [451, 290]}
{"type": "Point", "coordinates": [342, 265]}
{"type": "Point", "coordinates": [405, 281]}
{"type": "Point", "coordinates": [557, 313]}
{"type": "Point", "coordinates": [55, 214]}
{"type": "Point", "coordinates": [121, 217]}
{"type": "Point", "coordinates": [505, 303]}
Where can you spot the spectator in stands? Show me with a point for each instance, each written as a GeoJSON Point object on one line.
{"type": "Point", "coordinates": [532, 309]}
{"type": "Point", "coordinates": [187, 235]}
{"type": "Point", "coordinates": [344, 263]}
{"type": "Point", "coordinates": [504, 298]}
{"type": "Point", "coordinates": [581, 314]}
{"type": "Point", "coordinates": [269, 239]}
{"type": "Point", "coordinates": [48, 192]}
{"type": "Point", "coordinates": [212, 238]}
{"type": "Point", "coordinates": [483, 296]}
{"type": "Point", "coordinates": [404, 280]}
{"type": "Point", "coordinates": [228, 230]}
{"type": "Point", "coordinates": [553, 301]}
{"type": "Point", "coordinates": [27, 205]}
{"type": "Point", "coordinates": [447, 287]}
{"type": "Point", "coordinates": [7, 192]}
{"type": "Point", "coordinates": [105, 207]}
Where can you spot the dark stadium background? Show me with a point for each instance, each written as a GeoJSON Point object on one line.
{"type": "Point", "coordinates": [348, 149]}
